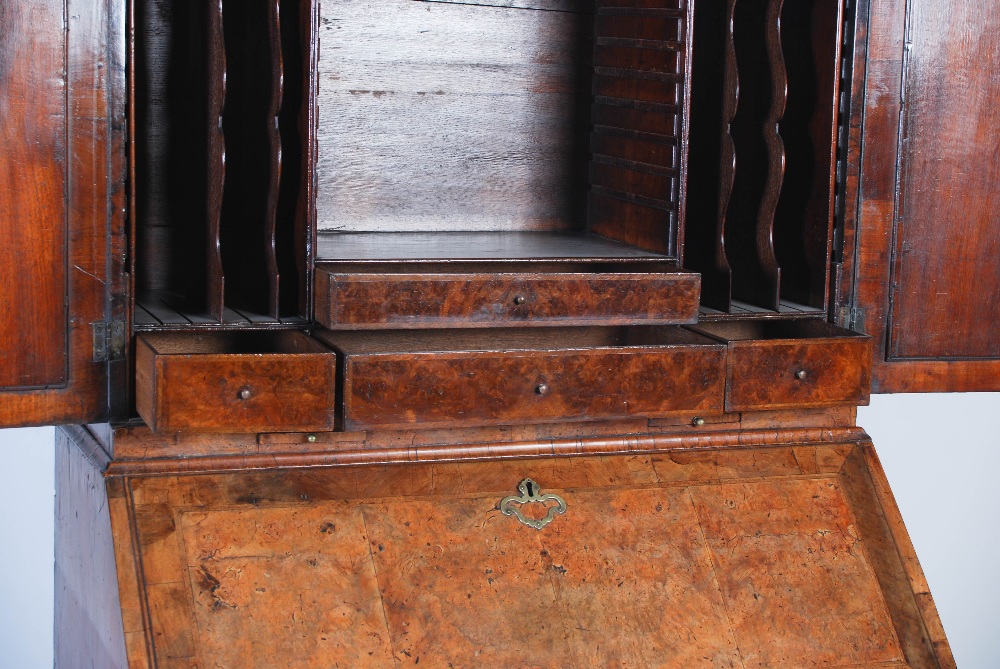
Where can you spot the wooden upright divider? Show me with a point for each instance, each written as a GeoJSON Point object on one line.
{"type": "Point", "coordinates": [216, 160]}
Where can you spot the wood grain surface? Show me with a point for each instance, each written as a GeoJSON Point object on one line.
{"type": "Point", "coordinates": [61, 204]}
{"type": "Point", "coordinates": [487, 294]}
{"type": "Point", "coordinates": [427, 124]}
{"type": "Point", "coordinates": [921, 235]}
{"type": "Point", "coordinates": [747, 557]}
{"type": "Point", "coordinates": [474, 377]}
{"type": "Point", "coordinates": [773, 365]}
{"type": "Point", "coordinates": [224, 382]}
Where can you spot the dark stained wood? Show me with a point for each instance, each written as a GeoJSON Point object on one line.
{"type": "Point", "coordinates": [274, 176]}
{"type": "Point", "coordinates": [475, 246]}
{"type": "Point", "coordinates": [781, 364]}
{"type": "Point", "coordinates": [424, 125]}
{"type": "Point", "coordinates": [33, 211]}
{"type": "Point", "coordinates": [256, 381]}
{"type": "Point", "coordinates": [748, 246]}
{"type": "Point", "coordinates": [419, 564]}
{"type": "Point", "coordinates": [57, 206]}
{"type": "Point", "coordinates": [215, 157]}
{"type": "Point", "coordinates": [366, 296]}
{"type": "Point", "coordinates": [930, 268]}
{"type": "Point", "coordinates": [472, 377]}
{"type": "Point", "coordinates": [639, 120]}
{"type": "Point", "coordinates": [714, 88]}
{"type": "Point", "coordinates": [247, 220]}
{"type": "Point", "coordinates": [804, 215]}
{"type": "Point", "coordinates": [947, 207]}
{"type": "Point", "coordinates": [88, 622]}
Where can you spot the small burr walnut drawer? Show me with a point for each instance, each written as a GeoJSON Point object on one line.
{"type": "Point", "coordinates": [454, 378]}
{"type": "Point", "coordinates": [234, 382]}
{"type": "Point", "coordinates": [779, 364]}
{"type": "Point", "coordinates": [357, 296]}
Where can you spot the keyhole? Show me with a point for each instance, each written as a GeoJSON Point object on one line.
{"type": "Point", "coordinates": [531, 491]}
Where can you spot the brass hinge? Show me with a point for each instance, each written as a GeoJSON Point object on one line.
{"type": "Point", "coordinates": [109, 341]}
{"type": "Point", "coordinates": [852, 318]}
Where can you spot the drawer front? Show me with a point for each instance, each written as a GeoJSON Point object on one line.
{"type": "Point", "coordinates": [470, 388]}
{"type": "Point", "coordinates": [235, 392]}
{"type": "Point", "coordinates": [363, 301]}
{"type": "Point", "coordinates": [774, 374]}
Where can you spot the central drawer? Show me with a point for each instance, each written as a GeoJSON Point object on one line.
{"type": "Point", "coordinates": [357, 296]}
{"type": "Point", "coordinates": [455, 378]}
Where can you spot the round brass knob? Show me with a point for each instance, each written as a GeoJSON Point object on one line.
{"type": "Point", "coordinates": [542, 389]}
{"type": "Point", "coordinates": [697, 421]}
{"type": "Point", "coordinates": [520, 299]}
{"type": "Point", "coordinates": [311, 438]}
{"type": "Point", "coordinates": [244, 393]}
{"type": "Point", "coordinates": [801, 374]}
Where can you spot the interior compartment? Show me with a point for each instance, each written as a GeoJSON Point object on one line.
{"type": "Point", "coordinates": [774, 329]}
{"type": "Point", "coordinates": [761, 184]}
{"type": "Point", "coordinates": [412, 131]}
{"type": "Point", "coordinates": [222, 112]}
{"type": "Point", "coordinates": [534, 117]}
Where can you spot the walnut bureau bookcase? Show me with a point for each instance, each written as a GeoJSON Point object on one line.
{"type": "Point", "coordinates": [507, 333]}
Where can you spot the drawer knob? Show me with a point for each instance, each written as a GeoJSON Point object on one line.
{"type": "Point", "coordinates": [542, 389]}
{"type": "Point", "coordinates": [520, 299]}
{"type": "Point", "coordinates": [244, 393]}
{"type": "Point", "coordinates": [698, 421]}
{"type": "Point", "coordinates": [531, 494]}
{"type": "Point", "coordinates": [801, 374]}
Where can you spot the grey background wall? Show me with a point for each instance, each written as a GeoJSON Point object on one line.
{"type": "Point", "coordinates": [941, 454]}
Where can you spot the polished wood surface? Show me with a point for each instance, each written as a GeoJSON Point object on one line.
{"type": "Point", "coordinates": [224, 382]}
{"type": "Point", "coordinates": [918, 256]}
{"type": "Point", "coordinates": [370, 296]}
{"type": "Point", "coordinates": [419, 564]}
{"type": "Point", "coordinates": [774, 364]}
{"type": "Point", "coordinates": [947, 233]}
{"type": "Point", "coordinates": [473, 377]}
{"type": "Point", "coordinates": [33, 211]}
{"type": "Point", "coordinates": [61, 204]}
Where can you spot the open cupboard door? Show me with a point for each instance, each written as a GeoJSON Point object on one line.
{"type": "Point", "coordinates": [922, 233]}
{"type": "Point", "coordinates": [61, 208]}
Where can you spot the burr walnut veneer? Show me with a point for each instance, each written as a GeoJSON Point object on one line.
{"type": "Point", "coordinates": [506, 333]}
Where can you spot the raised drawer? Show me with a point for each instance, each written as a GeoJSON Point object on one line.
{"type": "Point", "coordinates": [399, 378]}
{"type": "Point", "coordinates": [234, 382]}
{"type": "Point", "coordinates": [442, 295]}
{"type": "Point", "coordinates": [781, 364]}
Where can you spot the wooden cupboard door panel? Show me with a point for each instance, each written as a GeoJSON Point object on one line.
{"type": "Point", "coordinates": [61, 203]}
{"type": "Point", "coordinates": [946, 282]}
{"type": "Point", "coordinates": [922, 235]}
{"type": "Point", "coordinates": [774, 556]}
{"type": "Point", "coordinates": [33, 212]}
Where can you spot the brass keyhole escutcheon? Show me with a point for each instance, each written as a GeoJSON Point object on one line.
{"type": "Point", "coordinates": [531, 494]}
